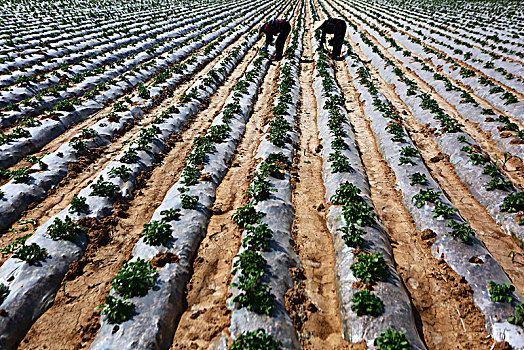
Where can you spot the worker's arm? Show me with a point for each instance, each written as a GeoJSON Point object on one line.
{"type": "Point", "coordinates": [269, 39]}
{"type": "Point", "coordinates": [322, 39]}
{"type": "Point", "coordinates": [260, 32]}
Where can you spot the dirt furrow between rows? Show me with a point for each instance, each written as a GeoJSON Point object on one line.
{"type": "Point", "coordinates": [83, 172]}
{"type": "Point", "coordinates": [207, 315]}
{"type": "Point", "coordinates": [448, 317]}
{"type": "Point", "coordinates": [72, 322]}
{"type": "Point", "coordinates": [312, 303]}
{"type": "Point", "coordinates": [442, 170]}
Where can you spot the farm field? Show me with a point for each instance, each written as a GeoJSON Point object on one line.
{"type": "Point", "coordinates": [165, 184]}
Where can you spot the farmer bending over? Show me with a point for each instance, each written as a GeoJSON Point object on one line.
{"type": "Point", "coordinates": [334, 26]}
{"type": "Point", "coordinates": [271, 28]}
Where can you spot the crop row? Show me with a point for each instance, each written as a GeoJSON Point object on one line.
{"type": "Point", "coordinates": [423, 105]}
{"type": "Point", "coordinates": [471, 22]}
{"type": "Point", "coordinates": [72, 48]}
{"type": "Point", "coordinates": [26, 188]}
{"type": "Point", "coordinates": [261, 269]}
{"type": "Point", "coordinates": [374, 305]}
{"type": "Point", "coordinates": [186, 208]}
{"type": "Point", "coordinates": [455, 241]}
{"type": "Point", "coordinates": [32, 284]}
{"type": "Point", "coordinates": [479, 74]}
{"type": "Point", "coordinates": [78, 85]}
{"type": "Point", "coordinates": [423, 198]}
{"type": "Point", "coordinates": [501, 44]}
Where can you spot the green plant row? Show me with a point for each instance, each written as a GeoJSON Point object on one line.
{"type": "Point", "coordinates": [514, 203]}
{"type": "Point", "coordinates": [249, 267]}
{"type": "Point", "coordinates": [367, 267]}
{"type": "Point", "coordinates": [136, 278]}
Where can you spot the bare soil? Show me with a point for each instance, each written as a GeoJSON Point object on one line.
{"type": "Point", "coordinates": [442, 299]}
{"type": "Point", "coordinates": [312, 303]}
{"type": "Point", "coordinates": [446, 315]}
{"type": "Point", "coordinates": [89, 285]}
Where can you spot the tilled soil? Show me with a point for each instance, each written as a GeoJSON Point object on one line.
{"type": "Point", "coordinates": [206, 316]}
{"type": "Point", "coordinates": [442, 299]}
{"type": "Point", "coordinates": [87, 288]}
{"type": "Point", "coordinates": [445, 313]}
{"type": "Point", "coordinates": [312, 303]}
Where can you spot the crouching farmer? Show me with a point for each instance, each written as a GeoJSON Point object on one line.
{"type": "Point", "coordinates": [272, 28]}
{"type": "Point", "coordinates": [334, 26]}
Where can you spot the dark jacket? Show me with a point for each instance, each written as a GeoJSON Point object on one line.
{"type": "Point", "coordinates": [337, 27]}
{"type": "Point", "coordinates": [333, 26]}
{"type": "Point", "coordinates": [273, 28]}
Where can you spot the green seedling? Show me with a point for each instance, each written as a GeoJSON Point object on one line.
{"type": "Point", "coordinates": [424, 196]}
{"type": "Point", "coordinates": [157, 232]}
{"type": "Point", "coordinates": [134, 279]}
{"type": "Point", "coordinates": [340, 163]}
{"type": "Point", "coordinates": [477, 158]}
{"type": "Point", "coordinates": [346, 193]}
{"type": "Point", "coordinates": [462, 231]}
{"type": "Point", "coordinates": [189, 202]}
{"type": "Point", "coordinates": [78, 205]}
{"type": "Point", "coordinates": [392, 340]}
{"type": "Point", "coordinates": [259, 189]}
{"type": "Point", "coordinates": [170, 214]}
{"type": "Point", "coordinates": [367, 303]}
{"type": "Point", "coordinates": [14, 245]}
{"type": "Point", "coordinates": [513, 203]}
{"type": "Point", "coordinates": [352, 235]}
{"type": "Point", "coordinates": [257, 237]}
{"type": "Point", "coordinates": [255, 296]}
{"type": "Point", "coordinates": [359, 213]}
{"type": "Point", "coordinates": [370, 268]}
{"type": "Point", "coordinates": [492, 170]}
{"type": "Point", "coordinates": [498, 183]}
{"type": "Point", "coordinates": [130, 156]}
{"type": "Point", "coordinates": [104, 188]}
{"type": "Point", "coordinates": [417, 178]}
{"type": "Point", "coordinates": [501, 293]}
{"type": "Point", "coordinates": [246, 215]}
{"type": "Point", "coordinates": [30, 253]}
{"type": "Point", "coordinates": [121, 172]}
{"type": "Point", "coordinates": [409, 151]}
{"type": "Point", "coordinates": [255, 340]}
{"type": "Point", "coordinates": [518, 316]}
{"type": "Point", "coordinates": [117, 309]}
{"type": "Point", "coordinates": [442, 211]}
{"type": "Point", "coordinates": [218, 133]}
{"type": "Point", "coordinates": [406, 161]}
{"type": "Point", "coordinates": [66, 230]}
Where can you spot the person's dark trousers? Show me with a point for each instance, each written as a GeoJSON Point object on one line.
{"type": "Point", "coordinates": [281, 40]}
{"type": "Point", "coordinates": [338, 40]}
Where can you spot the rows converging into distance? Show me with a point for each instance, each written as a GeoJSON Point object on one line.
{"type": "Point", "coordinates": [205, 174]}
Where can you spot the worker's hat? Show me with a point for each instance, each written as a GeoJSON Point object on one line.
{"type": "Point", "coordinates": [317, 25]}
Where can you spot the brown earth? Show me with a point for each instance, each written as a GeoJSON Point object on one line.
{"type": "Point", "coordinates": [446, 315]}
{"type": "Point", "coordinates": [442, 299]}
{"type": "Point", "coordinates": [77, 322]}
{"type": "Point", "coordinates": [312, 303]}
